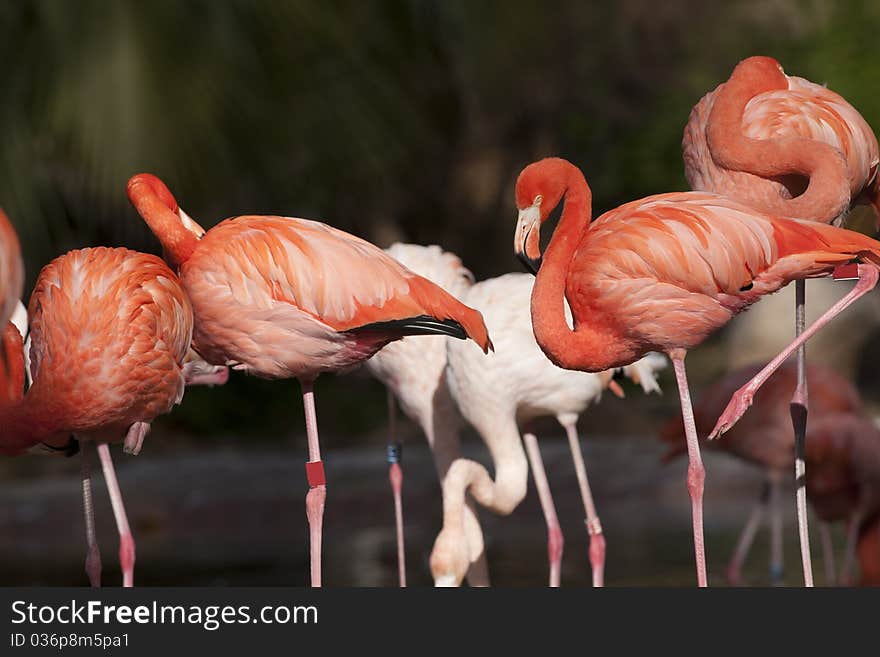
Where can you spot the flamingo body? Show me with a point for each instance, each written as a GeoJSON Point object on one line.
{"type": "Point", "coordinates": [283, 297]}
{"type": "Point", "coordinates": [663, 273]}
{"type": "Point", "coordinates": [842, 447]}
{"type": "Point", "coordinates": [787, 146]}
{"type": "Point", "coordinates": [843, 452]}
{"type": "Point", "coordinates": [798, 108]}
{"type": "Point", "coordinates": [667, 271]}
{"type": "Point", "coordinates": [414, 369]}
{"type": "Point", "coordinates": [109, 332]}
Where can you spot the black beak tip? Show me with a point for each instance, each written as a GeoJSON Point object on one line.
{"type": "Point", "coordinates": [532, 266]}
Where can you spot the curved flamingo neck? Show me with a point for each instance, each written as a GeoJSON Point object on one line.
{"type": "Point", "coordinates": [579, 349]}
{"type": "Point", "coordinates": [157, 206]}
{"type": "Point", "coordinates": [827, 195]}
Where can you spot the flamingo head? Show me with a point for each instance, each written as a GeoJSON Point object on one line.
{"type": "Point", "coordinates": [539, 189]}
{"type": "Point", "coordinates": [760, 73]}
{"type": "Point", "coordinates": [149, 183]}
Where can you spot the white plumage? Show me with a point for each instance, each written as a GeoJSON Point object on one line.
{"type": "Point", "coordinates": [494, 393]}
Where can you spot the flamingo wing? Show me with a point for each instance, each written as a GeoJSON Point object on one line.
{"type": "Point", "coordinates": [338, 279]}
{"type": "Point", "coordinates": [708, 244]}
{"type": "Point", "coordinates": [815, 112]}
{"type": "Point", "coordinates": [806, 110]}
{"type": "Point", "coordinates": [673, 268]}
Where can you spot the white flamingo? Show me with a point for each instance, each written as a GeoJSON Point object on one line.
{"type": "Point", "coordinates": [516, 384]}
{"type": "Point", "coordinates": [493, 397]}
{"type": "Point", "coordinates": [414, 373]}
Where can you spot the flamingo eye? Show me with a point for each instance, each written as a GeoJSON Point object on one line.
{"type": "Point", "coordinates": [538, 200]}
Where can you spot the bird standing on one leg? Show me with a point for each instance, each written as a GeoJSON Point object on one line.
{"type": "Point", "coordinates": [843, 454]}
{"type": "Point", "coordinates": [496, 394]}
{"type": "Point", "coordinates": [414, 371]}
{"type": "Point", "coordinates": [764, 437]}
{"type": "Point", "coordinates": [662, 274]}
{"type": "Point", "coordinates": [109, 330]}
{"type": "Point", "coordinates": [790, 147]}
{"type": "Point", "coordinates": [282, 297]}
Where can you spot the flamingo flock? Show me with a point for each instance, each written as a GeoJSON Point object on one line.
{"type": "Point", "coordinates": [112, 337]}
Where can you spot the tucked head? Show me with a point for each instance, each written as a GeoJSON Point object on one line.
{"type": "Point", "coordinates": [155, 185]}
{"type": "Point", "coordinates": [761, 70]}
{"type": "Point", "coordinates": [150, 184]}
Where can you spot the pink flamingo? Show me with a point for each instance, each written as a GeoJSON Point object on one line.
{"type": "Point", "coordinates": [283, 297]}
{"type": "Point", "coordinates": [843, 452]}
{"type": "Point", "coordinates": [662, 274]}
{"type": "Point", "coordinates": [765, 438]}
{"type": "Point", "coordinates": [414, 372]}
{"type": "Point", "coordinates": [789, 147]}
{"type": "Point", "coordinates": [11, 283]}
{"type": "Point", "coordinates": [781, 144]}
{"type": "Point", "coordinates": [109, 330]}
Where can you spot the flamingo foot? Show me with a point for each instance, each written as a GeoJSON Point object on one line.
{"type": "Point", "coordinates": [777, 575]}
{"type": "Point", "coordinates": [93, 566]}
{"type": "Point", "coordinates": [736, 408]}
{"type": "Point", "coordinates": [126, 559]}
{"type": "Point", "coordinates": [597, 552]}
{"type": "Point", "coordinates": [134, 439]}
{"type": "Point", "coordinates": [449, 558]}
{"type": "Point", "coordinates": [734, 575]}
{"type": "Point", "coordinates": [555, 546]}
{"type": "Point", "coordinates": [315, 499]}
{"type": "Point", "coordinates": [695, 483]}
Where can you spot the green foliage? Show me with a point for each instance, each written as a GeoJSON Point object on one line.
{"type": "Point", "coordinates": [404, 119]}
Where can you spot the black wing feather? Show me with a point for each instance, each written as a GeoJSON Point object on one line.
{"type": "Point", "coordinates": [420, 325]}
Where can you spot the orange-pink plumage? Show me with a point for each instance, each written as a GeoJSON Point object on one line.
{"type": "Point", "coordinates": [109, 331]}
{"type": "Point", "coordinates": [11, 282]}
{"type": "Point", "coordinates": [663, 273]}
{"type": "Point", "coordinates": [784, 125]}
{"type": "Point", "coordinates": [286, 297]}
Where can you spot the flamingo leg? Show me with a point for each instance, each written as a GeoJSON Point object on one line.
{"type": "Point", "coordinates": [799, 411]}
{"type": "Point", "coordinates": [395, 478]}
{"type": "Point", "coordinates": [555, 540]}
{"type": "Point", "coordinates": [93, 553]}
{"type": "Point", "coordinates": [446, 448]}
{"type": "Point", "coordinates": [317, 494]}
{"type": "Point", "coordinates": [594, 526]}
{"type": "Point", "coordinates": [696, 475]}
{"type": "Point", "coordinates": [478, 571]}
{"type": "Point", "coordinates": [852, 539]}
{"type": "Point", "coordinates": [747, 537]}
{"type": "Point", "coordinates": [742, 399]}
{"type": "Point", "coordinates": [828, 553]}
{"type": "Point", "coordinates": [777, 569]}
{"type": "Point", "coordinates": [126, 541]}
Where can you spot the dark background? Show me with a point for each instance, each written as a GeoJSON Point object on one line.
{"type": "Point", "coordinates": [398, 120]}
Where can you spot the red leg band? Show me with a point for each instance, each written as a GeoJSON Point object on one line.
{"type": "Point", "coordinates": [315, 473]}
{"type": "Point", "coordinates": [846, 272]}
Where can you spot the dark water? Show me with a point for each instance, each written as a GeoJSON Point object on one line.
{"type": "Point", "coordinates": [235, 517]}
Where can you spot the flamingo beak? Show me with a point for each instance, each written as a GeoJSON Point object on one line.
{"type": "Point", "coordinates": [527, 238]}
{"type": "Point", "coordinates": [190, 224]}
